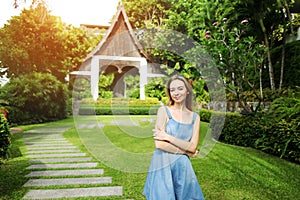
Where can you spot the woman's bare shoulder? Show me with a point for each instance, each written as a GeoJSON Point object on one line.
{"type": "Point", "coordinates": [161, 110]}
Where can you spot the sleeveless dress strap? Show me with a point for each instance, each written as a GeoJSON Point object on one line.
{"type": "Point", "coordinates": [194, 117]}
{"type": "Point", "coordinates": [168, 112]}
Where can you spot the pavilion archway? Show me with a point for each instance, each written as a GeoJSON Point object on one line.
{"type": "Point", "coordinates": [118, 86]}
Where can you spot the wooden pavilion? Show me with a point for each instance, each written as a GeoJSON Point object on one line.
{"type": "Point", "coordinates": [119, 53]}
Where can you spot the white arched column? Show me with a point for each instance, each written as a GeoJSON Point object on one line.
{"type": "Point", "coordinates": [95, 77]}
{"type": "Point", "coordinates": [95, 63]}
{"type": "Point", "coordinates": [143, 78]}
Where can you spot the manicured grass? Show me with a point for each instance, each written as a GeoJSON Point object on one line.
{"type": "Point", "coordinates": [12, 171]}
{"type": "Point", "coordinates": [227, 172]}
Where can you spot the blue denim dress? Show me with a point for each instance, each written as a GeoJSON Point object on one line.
{"type": "Point", "coordinates": [171, 176]}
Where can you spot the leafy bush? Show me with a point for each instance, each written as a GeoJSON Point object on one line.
{"type": "Point", "coordinates": [119, 110]}
{"type": "Point", "coordinates": [205, 115]}
{"type": "Point", "coordinates": [291, 70]}
{"type": "Point", "coordinates": [276, 132]}
{"type": "Point", "coordinates": [285, 108]}
{"type": "Point", "coordinates": [281, 139]}
{"type": "Point", "coordinates": [241, 130]}
{"type": "Point", "coordinates": [4, 136]}
{"type": "Point", "coordinates": [119, 101]}
{"type": "Point", "coordinates": [119, 106]}
{"type": "Point", "coordinates": [156, 88]}
{"type": "Point", "coordinates": [268, 94]}
{"type": "Point", "coordinates": [35, 98]}
{"type": "Point", "coordinates": [132, 86]}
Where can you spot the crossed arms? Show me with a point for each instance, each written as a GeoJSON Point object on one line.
{"type": "Point", "coordinates": [172, 144]}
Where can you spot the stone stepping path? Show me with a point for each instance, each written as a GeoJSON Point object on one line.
{"type": "Point", "coordinates": [56, 162]}
{"type": "Point", "coordinates": [74, 193]}
{"type": "Point", "coordinates": [65, 173]}
{"type": "Point", "coordinates": [55, 166]}
{"type": "Point", "coordinates": [55, 155]}
{"type": "Point", "coordinates": [51, 147]}
{"type": "Point", "coordinates": [68, 181]}
{"type": "Point", "coordinates": [53, 151]}
{"type": "Point", "coordinates": [60, 160]}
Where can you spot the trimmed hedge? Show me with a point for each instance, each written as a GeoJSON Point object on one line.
{"type": "Point", "coordinates": [4, 136]}
{"type": "Point", "coordinates": [262, 131]}
{"type": "Point", "coordinates": [281, 139]}
{"type": "Point", "coordinates": [119, 110]}
{"type": "Point", "coordinates": [242, 130]}
{"type": "Point", "coordinates": [120, 101]}
{"type": "Point", "coordinates": [35, 98]}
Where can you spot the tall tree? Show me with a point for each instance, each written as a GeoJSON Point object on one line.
{"type": "Point", "coordinates": [265, 14]}
{"type": "Point", "coordinates": [36, 41]}
{"type": "Point", "coordinates": [146, 13]}
{"type": "Point", "coordinates": [18, 3]}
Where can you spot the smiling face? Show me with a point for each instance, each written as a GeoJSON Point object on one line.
{"type": "Point", "coordinates": [178, 91]}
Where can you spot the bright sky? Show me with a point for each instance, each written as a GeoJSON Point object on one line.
{"type": "Point", "coordinates": [76, 12]}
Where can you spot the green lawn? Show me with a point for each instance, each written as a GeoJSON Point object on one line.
{"type": "Point", "coordinates": [227, 172]}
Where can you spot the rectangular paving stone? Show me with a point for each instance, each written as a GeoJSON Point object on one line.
{"type": "Point", "coordinates": [76, 172]}
{"type": "Point", "coordinates": [45, 160]}
{"type": "Point", "coordinates": [51, 147]}
{"type": "Point", "coordinates": [68, 181]}
{"type": "Point", "coordinates": [52, 151]}
{"type": "Point", "coordinates": [39, 135]}
{"type": "Point", "coordinates": [44, 139]}
{"type": "Point", "coordinates": [48, 144]}
{"type": "Point", "coordinates": [55, 166]}
{"type": "Point", "coordinates": [47, 130]}
{"type": "Point", "coordinates": [56, 155]}
{"type": "Point", "coordinates": [48, 138]}
{"type": "Point", "coordinates": [75, 192]}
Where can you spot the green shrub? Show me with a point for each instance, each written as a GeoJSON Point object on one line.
{"type": "Point", "coordinates": [35, 98]}
{"type": "Point", "coordinates": [241, 130]}
{"type": "Point", "coordinates": [276, 132]}
{"type": "Point", "coordinates": [281, 139]}
{"type": "Point", "coordinates": [156, 88]}
{"type": "Point", "coordinates": [205, 115]}
{"type": "Point", "coordinates": [119, 110]}
{"type": "Point", "coordinates": [285, 108]}
{"type": "Point", "coordinates": [4, 136]}
{"type": "Point", "coordinates": [291, 70]}
{"type": "Point", "coordinates": [119, 101]}
{"type": "Point", "coordinates": [268, 94]}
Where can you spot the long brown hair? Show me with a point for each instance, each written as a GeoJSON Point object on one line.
{"type": "Point", "coordinates": [189, 96]}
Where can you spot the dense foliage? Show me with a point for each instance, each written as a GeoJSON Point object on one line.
{"type": "Point", "coordinates": [239, 59]}
{"type": "Point", "coordinates": [119, 106]}
{"type": "Point", "coordinates": [36, 41]}
{"type": "Point", "coordinates": [4, 136]}
{"type": "Point", "coordinates": [132, 86]}
{"type": "Point", "coordinates": [239, 35]}
{"type": "Point", "coordinates": [156, 88]}
{"type": "Point", "coordinates": [291, 70]}
{"type": "Point", "coordinates": [277, 132]}
{"type": "Point", "coordinates": [35, 98]}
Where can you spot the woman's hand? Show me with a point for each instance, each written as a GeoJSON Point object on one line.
{"type": "Point", "coordinates": [160, 135]}
{"type": "Point", "coordinates": [192, 155]}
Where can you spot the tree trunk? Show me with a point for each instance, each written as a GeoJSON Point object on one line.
{"type": "Point", "coordinates": [271, 71]}
{"type": "Point", "coordinates": [282, 60]}
{"type": "Point", "coordinates": [260, 82]}
{"type": "Point", "coordinates": [289, 16]}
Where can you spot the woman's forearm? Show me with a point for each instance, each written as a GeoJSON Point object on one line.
{"type": "Point", "coordinates": [184, 145]}
{"type": "Point", "coordinates": [169, 147]}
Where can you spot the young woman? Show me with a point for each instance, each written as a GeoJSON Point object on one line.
{"type": "Point", "coordinates": [176, 134]}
